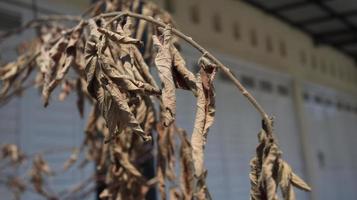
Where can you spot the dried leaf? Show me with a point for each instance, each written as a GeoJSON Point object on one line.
{"type": "Point", "coordinates": [54, 59]}
{"type": "Point", "coordinates": [12, 151]}
{"type": "Point", "coordinates": [67, 87]}
{"type": "Point", "coordinates": [145, 114]}
{"type": "Point", "coordinates": [80, 97]}
{"type": "Point", "coordinates": [161, 159]}
{"type": "Point", "coordinates": [119, 115]}
{"type": "Point", "coordinates": [204, 115]}
{"type": "Point", "coordinates": [118, 37]}
{"type": "Point", "coordinates": [183, 78]}
{"type": "Point", "coordinates": [124, 160]}
{"type": "Point", "coordinates": [163, 62]}
{"type": "Point", "coordinates": [202, 192]}
{"type": "Point", "coordinates": [10, 74]}
{"type": "Point", "coordinates": [255, 193]}
{"type": "Point", "coordinates": [268, 171]}
{"type": "Point", "coordinates": [143, 67]}
{"type": "Point", "coordinates": [299, 183]}
{"type": "Point", "coordinates": [174, 194]}
{"type": "Point", "coordinates": [41, 165]}
{"type": "Point", "coordinates": [187, 170]}
{"type": "Point", "coordinates": [72, 159]}
{"type": "Point", "coordinates": [127, 83]}
{"type": "Point", "coordinates": [105, 194]}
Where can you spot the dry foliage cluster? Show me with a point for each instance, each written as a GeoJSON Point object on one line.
{"type": "Point", "coordinates": [108, 55]}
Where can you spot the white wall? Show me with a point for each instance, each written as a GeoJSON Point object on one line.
{"type": "Point", "coordinates": [333, 137]}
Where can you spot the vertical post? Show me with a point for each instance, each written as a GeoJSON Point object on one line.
{"type": "Point", "coordinates": [34, 8]}
{"type": "Point", "coordinates": [307, 153]}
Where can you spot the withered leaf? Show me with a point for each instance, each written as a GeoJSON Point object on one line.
{"type": "Point", "coordinates": [145, 114]}
{"type": "Point", "coordinates": [174, 194]}
{"type": "Point", "coordinates": [115, 36]}
{"type": "Point", "coordinates": [53, 60]}
{"type": "Point", "coordinates": [269, 170]}
{"type": "Point", "coordinates": [72, 159]}
{"type": "Point", "coordinates": [163, 62]}
{"type": "Point", "coordinates": [187, 170]}
{"type": "Point", "coordinates": [12, 151]}
{"type": "Point", "coordinates": [202, 192]}
{"type": "Point", "coordinates": [143, 67]}
{"type": "Point", "coordinates": [126, 163]}
{"type": "Point", "coordinates": [183, 78]}
{"type": "Point", "coordinates": [67, 87]}
{"type": "Point", "coordinates": [10, 74]}
{"type": "Point", "coordinates": [299, 183]}
{"type": "Point", "coordinates": [80, 97]}
{"type": "Point", "coordinates": [204, 114]}
{"type": "Point", "coordinates": [123, 117]}
{"type": "Point", "coordinates": [104, 194]}
{"type": "Point", "coordinates": [129, 84]}
{"type": "Point", "coordinates": [114, 102]}
{"type": "Point", "coordinates": [287, 179]}
{"type": "Point", "coordinates": [41, 165]}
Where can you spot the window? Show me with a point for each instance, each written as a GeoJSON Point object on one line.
{"type": "Point", "coordinates": [339, 105]}
{"type": "Point", "coordinates": [169, 6]}
{"type": "Point", "coordinates": [351, 76]}
{"type": "Point", "coordinates": [282, 48]}
{"type": "Point", "coordinates": [313, 61]}
{"type": "Point", "coordinates": [236, 31]}
{"type": "Point", "coordinates": [266, 86]}
{"type": "Point", "coordinates": [303, 59]}
{"type": "Point", "coordinates": [341, 74]}
{"type": "Point", "coordinates": [318, 99]}
{"type": "Point", "coordinates": [321, 159]}
{"type": "Point", "coordinates": [9, 20]}
{"type": "Point", "coordinates": [323, 66]}
{"type": "Point", "coordinates": [248, 81]}
{"type": "Point", "coordinates": [328, 102]}
{"type": "Point", "coordinates": [253, 37]}
{"type": "Point", "coordinates": [348, 107]}
{"type": "Point", "coordinates": [332, 70]}
{"type": "Point", "coordinates": [195, 15]}
{"type": "Point", "coordinates": [217, 25]}
{"type": "Point", "coordinates": [268, 44]}
{"type": "Point", "coordinates": [283, 90]}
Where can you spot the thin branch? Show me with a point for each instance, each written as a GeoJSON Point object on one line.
{"type": "Point", "coordinates": [225, 70]}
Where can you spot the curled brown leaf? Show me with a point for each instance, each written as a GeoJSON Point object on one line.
{"type": "Point", "coordinates": [204, 114]}
{"type": "Point", "coordinates": [163, 62]}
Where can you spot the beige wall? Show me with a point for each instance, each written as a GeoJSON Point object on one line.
{"type": "Point", "coordinates": [303, 59]}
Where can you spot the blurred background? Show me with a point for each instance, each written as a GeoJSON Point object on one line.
{"type": "Point", "coordinates": [297, 57]}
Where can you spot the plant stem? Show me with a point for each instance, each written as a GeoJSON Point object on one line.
{"type": "Point", "coordinates": [225, 70]}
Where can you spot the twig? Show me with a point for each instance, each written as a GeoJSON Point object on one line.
{"type": "Point", "coordinates": [225, 70]}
